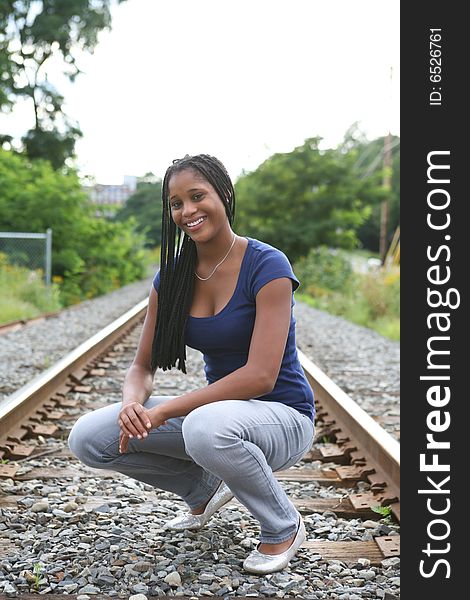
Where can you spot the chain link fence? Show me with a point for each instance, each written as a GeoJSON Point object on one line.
{"type": "Point", "coordinates": [30, 250]}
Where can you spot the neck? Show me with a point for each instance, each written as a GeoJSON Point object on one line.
{"type": "Point", "coordinates": [209, 253]}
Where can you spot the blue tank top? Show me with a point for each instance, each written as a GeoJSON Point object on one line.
{"type": "Point", "coordinates": [224, 339]}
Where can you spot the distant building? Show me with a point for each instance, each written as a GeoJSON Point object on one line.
{"type": "Point", "coordinates": [112, 194]}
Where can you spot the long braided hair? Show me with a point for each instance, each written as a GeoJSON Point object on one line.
{"type": "Point", "coordinates": [178, 263]}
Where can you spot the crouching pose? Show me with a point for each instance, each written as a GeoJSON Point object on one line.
{"type": "Point", "coordinates": [231, 297]}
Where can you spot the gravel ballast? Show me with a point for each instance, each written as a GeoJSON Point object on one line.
{"type": "Point", "coordinates": [104, 534]}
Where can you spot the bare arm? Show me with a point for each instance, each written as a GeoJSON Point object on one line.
{"type": "Point", "coordinates": [258, 376]}
{"type": "Point", "coordinates": [138, 384]}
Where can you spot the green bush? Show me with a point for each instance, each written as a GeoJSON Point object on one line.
{"type": "Point", "coordinates": [90, 255]}
{"type": "Point", "coordinates": [323, 269]}
{"type": "Point", "coordinates": [371, 300]}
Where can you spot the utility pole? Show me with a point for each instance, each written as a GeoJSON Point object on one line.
{"type": "Point", "coordinates": [387, 184]}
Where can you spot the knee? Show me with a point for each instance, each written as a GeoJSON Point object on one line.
{"type": "Point", "coordinates": [204, 434]}
{"type": "Point", "coordinates": [82, 442]}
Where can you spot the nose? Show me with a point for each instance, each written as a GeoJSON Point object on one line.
{"type": "Point", "coordinates": [188, 210]}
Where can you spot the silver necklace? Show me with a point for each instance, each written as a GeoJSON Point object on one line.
{"type": "Point", "coordinates": [218, 265]}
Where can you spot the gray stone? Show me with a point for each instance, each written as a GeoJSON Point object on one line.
{"type": "Point", "coordinates": [173, 579]}
{"type": "Point", "coordinates": [87, 539]}
{"type": "Point", "coordinates": [105, 580]}
{"type": "Point", "coordinates": [30, 577]}
{"type": "Point", "coordinates": [393, 561]}
{"type": "Point", "coordinates": [367, 575]}
{"type": "Point", "coordinates": [334, 568]}
{"type": "Point", "coordinates": [268, 591]}
{"type": "Point", "coordinates": [324, 529]}
{"type": "Point", "coordinates": [26, 502]}
{"type": "Point", "coordinates": [141, 566]}
{"type": "Point", "coordinates": [384, 529]}
{"type": "Point", "coordinates": [40, 507]}
{"type": "Point", "coordinates": [89, 589]}
{"type": "Point", "coordinates": [370, 524]}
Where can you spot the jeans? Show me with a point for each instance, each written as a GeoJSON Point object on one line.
{"type": "Point", "coordinates": [241, 442]}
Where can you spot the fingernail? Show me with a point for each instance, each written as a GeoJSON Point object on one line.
{"type": "Point", "coordinates": [145, 434]}
{"type": "Point", "coordinates": [138, 437]}
{"type": "Point", "coordinates": [130, 436]}
{"type": "Point", "coordinates": [149, 424]}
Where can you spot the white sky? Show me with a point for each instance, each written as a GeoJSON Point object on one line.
{"type": "Point", "coordinates": [239, 79]}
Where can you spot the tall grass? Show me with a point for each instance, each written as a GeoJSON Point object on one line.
{"type": "Point", "coordinates": [23, 294]}
{"type": "Point", "coordinates": [370, 299]}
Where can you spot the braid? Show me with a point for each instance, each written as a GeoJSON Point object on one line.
{"type": "Point", "coordinates": [177, 269]}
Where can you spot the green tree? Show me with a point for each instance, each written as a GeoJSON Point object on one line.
{"type": "Point", "coordinates": [90, 256]}
{"type": "Point", "coordinates": [7, 65]}
{"type": "Point", "coordinates": [145, 207]}
{"type": "Point", "coordinates": [370, 162]}
{"type": "Point", "coordinates": [31, 33]}
{"type": "Point", "coordinates": [305, 198]}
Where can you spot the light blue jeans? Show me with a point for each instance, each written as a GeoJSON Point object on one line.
{"type": "Point", "coordinates": [241, 442]}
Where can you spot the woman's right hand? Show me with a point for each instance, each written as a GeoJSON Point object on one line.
{"type": "Point", "coordinates": [123, 442]}
{"type": "Point", "coordinates": [133, 420]}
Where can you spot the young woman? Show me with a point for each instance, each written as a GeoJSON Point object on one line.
{"type": "Point", "coordinates": [230, 297]}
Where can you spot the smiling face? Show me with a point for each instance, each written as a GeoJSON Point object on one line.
{"type": "Point", "coordinates": [195, 206]}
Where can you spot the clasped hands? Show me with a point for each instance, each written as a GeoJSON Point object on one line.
{"type": "Point", "coordinates": [136, 421]}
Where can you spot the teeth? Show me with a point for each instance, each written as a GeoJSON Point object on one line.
{"type": "Point", "coordinates": [195, 222]}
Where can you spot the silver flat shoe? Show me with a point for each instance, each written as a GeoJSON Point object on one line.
{"type": "Point", "coordinates": [189, 521]}
{"type": "Point", "coordinates": [259, 563]}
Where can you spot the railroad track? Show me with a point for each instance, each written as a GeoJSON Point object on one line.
{"type": "Point", "coordinates": [352, 457]}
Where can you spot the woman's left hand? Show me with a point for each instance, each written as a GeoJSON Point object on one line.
{"type": "Point", "coordinates": [156, 417]}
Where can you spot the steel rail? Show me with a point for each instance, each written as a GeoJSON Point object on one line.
{"type": "Point", "coordinates": [17, 407]}
{"type": "Point", "coordinates": [382, 450]}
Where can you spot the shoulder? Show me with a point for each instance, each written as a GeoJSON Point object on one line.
{"type": "Point", "coordinates": [262, 249]}
{"type": "Point", "coordinates": [156, 280]}
{"type": "Point", "coordinates": [268, 263]}
{"type": "Point", "coordinates": [265, 254]}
